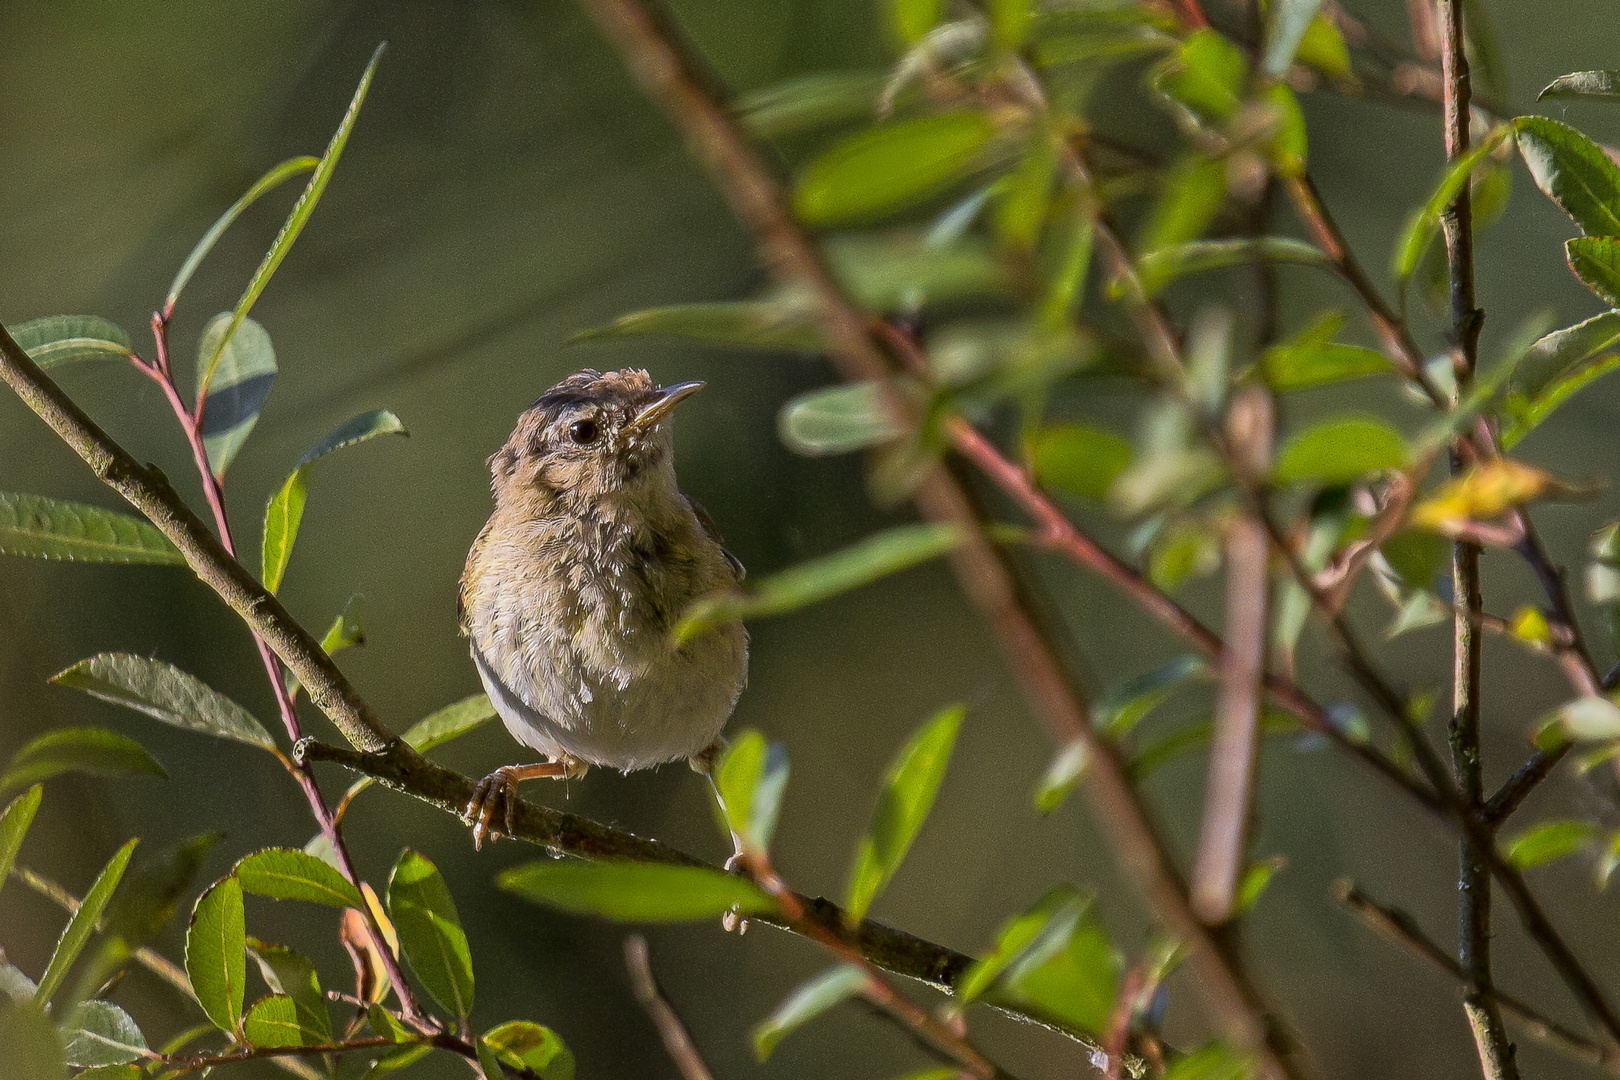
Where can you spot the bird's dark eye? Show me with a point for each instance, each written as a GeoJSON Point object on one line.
{"type": "Point", "coordinates": [583, 432]}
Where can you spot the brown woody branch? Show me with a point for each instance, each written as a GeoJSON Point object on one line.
{"type": "Point", "coordinates": [677, 1041]}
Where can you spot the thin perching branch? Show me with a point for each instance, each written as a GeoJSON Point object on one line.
{"type": "Point", "coordinates": [682, 1050]}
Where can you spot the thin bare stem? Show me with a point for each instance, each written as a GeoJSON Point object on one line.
{"type": "Point", "coordinates": [682, 1050]}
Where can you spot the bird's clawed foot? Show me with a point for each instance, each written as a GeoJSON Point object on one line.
{"type": "Point", "coordinates": [497, 793]}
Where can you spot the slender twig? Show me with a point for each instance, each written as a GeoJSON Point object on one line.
{"type": "Point", "coordinates": [1399, 926]}
{"type": "Point", "coordinates": [682, 1050]}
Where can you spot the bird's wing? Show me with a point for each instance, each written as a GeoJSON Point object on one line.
{"type": "Point", "coordinates": [713, 532]}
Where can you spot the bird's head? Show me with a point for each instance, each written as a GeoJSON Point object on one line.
{"type": "Point", "coordinates": [592, 435]}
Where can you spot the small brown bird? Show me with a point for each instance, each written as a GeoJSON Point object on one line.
{"type": "Point", "coordinates": [573, 587]}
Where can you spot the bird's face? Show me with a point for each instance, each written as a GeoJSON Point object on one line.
{"type": "Point", "coordinates": [591, 436]}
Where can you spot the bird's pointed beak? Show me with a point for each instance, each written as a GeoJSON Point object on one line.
{"type": "Point", "coordinates": [662, 402]}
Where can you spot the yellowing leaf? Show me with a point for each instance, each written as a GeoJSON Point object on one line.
{"type": "Point", "coordinates": [1484, 492]}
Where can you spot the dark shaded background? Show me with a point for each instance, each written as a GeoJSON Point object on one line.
{"type": "Point", "coordinates": [506, 187]}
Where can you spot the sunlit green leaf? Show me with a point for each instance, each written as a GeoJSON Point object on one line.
{"type": "Point", "coordinates": [754, 324]}
{"type": "Point", "coordinates": [1324, 49]}
{"type": "Point", "coordinates": [634, 892]}
{"type": "Point", "coordinates": [1195, 256]}
{"type": "Point", "coordinates": [1206, 76]}
{"type": "Point", "coordinates": [811, 101]}
{"type": "Point", "coordinates": [53, 529]}
{"type": "Point", "coordinates": [244, 370]}
{"type": "Point", "coordinates": [1065, 288]}
{"type": "Point", "coordinates": [909, 787]}
{"type": "Point", "coordinates": [1127, 704]}
{"type": "Point", "coordinates": [862, 563]}
{"type": "Point", "coordinates": [91, 750]}
{"type": "Point", "coordinates": [888, 167]}
{"type": "Point", "coordinates": [14, 822]}
{"type": "Point", "coordinates": [62, 339]}
{"type": "Point", "coordinates": [287, 972]}
{"type": "Point", "coordinates": [534, 1047]}
{"type": "Point", "coordinates": [1252, 884]}
{"type": "Point", "coordinates": [1049, 922]}
{"type": "Point", "coordinates": [1425, 221]}
{"type": "Point", "coordinates": [1216, 1061]}
{"type": "Point", "coordinates": [1187, 550]}
{"type": "Point", "coordinates": [430, 933]}
{"type": "Point", "coordinates": [911, 19]}
{"type": "Point", "coordinates": [1340, 450]}
{"type": "Point", "coordinates": [838, 419]}
{"type": "Point", "coordinates": [289, 231]}
{"type": "Point", "coordinates": [751, 777]}
{"type": "Point", "coordinates": [285, 510]}
{"type": "Point", "coordinates": [164, 692]}
{"type": "Point", "coordinates": [1192, 192]}
{"type": "Point", "coordinates": [1078, 459]}
{"type": "Point", "coordinates": [273, 1021]}
{"type": "Point", "coordinates": [450, 722]}
{"type": "Point", "coordinates": [216, 953]}
{"type": "Point", "coordinates": [1555, 367]}
{"type": "Point", "coordinates": [262, 186]}
{"type": "Point", "coordinates": [83, 922]}
{"type": "Point", "coordinates": [1548, 841]}
{"type": "Point", "coordinates": [1597, 85]}
{"type": "Point", "coordinates": [886, 272]}
{"type": "Point", "coordinates": [290, 874]}
{"type": "Point", "coordinates": [1572, 171]}
{"type": "Point", "coordinates": [1068, 767]}
{"type": "Point", "coordinates": [1071, 978]}
{"type": "Point", "coordinates": [1311, 358]}
{"type": "Point", "coordinates": [809, 1001]}
{"type": "Point", "coordinates": [1596, 261]}
{"type": "Point", "coordinates": [100, 1033]}
{"type": "Point", "coordinates": [1026, 193]}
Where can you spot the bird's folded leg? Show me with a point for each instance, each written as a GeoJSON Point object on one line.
{"type": "Point", "coordinates": [498, 791]}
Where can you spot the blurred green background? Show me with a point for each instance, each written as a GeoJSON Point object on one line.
{"type": "Point", "coordinates": [506, 187]}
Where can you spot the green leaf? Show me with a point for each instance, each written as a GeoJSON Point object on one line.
{"type": "Point", "coordinates": [1207, 76]}
{"type": "Point", "coordinates": [809, 1001]}
{"type": "Point", "coordinates": [285, 510]}
{"type": "Point", "coordinates": [15, 985]}
{"type": "Point", "coordinates": [1051, 919]}
{"type": "Point", "coordinates": [888, 272]}
{"type": "Point", "coordinates": [1323, 48]}
{"type": "Point", "coordinates": [1597, 85]}
{"type": "Point", "coordinates": [533, 1046]}
{"type": "Point", "coordinates": [1252, 884]}
{"type": "Point", "coordinates": [754, 324]}
{"type": "Point", "coordinates": [909, 787]}
{"type": "Point", "coordinates": [1078, 459]}
{"type": "Point", "coordinates": [888, 167]}
{"type": "Point", "coordinates": [1425, 221]}
{"type": "Point", "coordinates": [346, 631]}
{"type": "Point", "coordinates": [287, 972]}
{"type": "Point", "coordinates": [811, 101]}
{"type": "Point", "coordinates": [912, 19]}
{"type": "Point", "coordinates": [83, 922]}
{"type": "Point", "coordinates": [290, 229]}
{"type": "Point", "coordinates": [1590, 719]}
{"type": "Point", "coordinates": [216, 953]}
{"type": "Point", "coordinates": [837, 420]}
{"type": "Point", "coordinates": [1286, 24]}
{"type": "Point", "coordinates": [1127, 704]}
{"type": "Point", "coordinates": [290, 874]}
{"type": "Point", "coordinates": [430, 933]}
{"type": "Point", "coordinates": [383, 1024]}
{"type": "Point", "coordinates": [398, 1059]}
{"type": "Point", "coordinates": [1193, 191]}
{"type": "Point", "coordinates": [53, 529]}
{"type": "Point", "coordinates": [1555, 367]}
{"type": "Point", "coordinates": [273, 1021]}
{"type": "Point", "coordinates": [450, 722]}
{"type": "Point", "coordinates": [1216, 1061]}
{"type": "Point", "coordinates": [1596, 261]}
{"type": "Point", "coordinates": [1071, 979]}
{"type": "Point", "coordinates": [1340, 450]}
{"type": "Point", "coordinates": [164, 692]}
{"type": "Point", "coordinates": [100, 1033]}
{"type": "Point", "coordinates": [14, 822]}
{"type": "Point", "coordinates": [1548, 841]}
{"type": "Point", "coordinates": [29, 1047]}
{"type": "Point", "coordinates": [91, 750]}
{"type": "Point", "coordinates": [1572, 171]}
{"type": "Point", "coordinates": [244, 370]}
{"type": "Point", "coordinates": [862, 563]}
{"type": "Point", "coordinates": [750, 778]}
{"type": "Point", "coordinates": [262, 186]}
{"type": "Point", "coordinates": [1060, 777]}
{"type": "Point", "coordinates": [634, 892]}
{"type": "Point", "coordinates": [148, 899]}
{"type": "Point", "coordinates": [1311, 358]}
{"type": "Point", "coordinates": [1195, 256]}
{"type": "Point", "coordinates": [1025, 195]}
{"type": "Point", "coordinates": [61, 339]}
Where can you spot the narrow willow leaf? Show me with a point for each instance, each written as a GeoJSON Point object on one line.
{"type": "Point", "coordinates": [216, 953]}
{"type": "Point", "coordinates": [909, 788]}
{"type": "Point", "coordinates": [837, 420]}
{"type": "Point", "coordinates": [1071, 978]}
{"type": "Point", "coordinates": [1216, 1061]}
{"type": "Point", "coordinates": [1555, 367]}
{"type": "Point", "coordinates": [1549, 841]}
{"type": "Point", "coordinates": [1129, 703]}
{"type": "Point", "coordinates": [430, 933]}
{"type": "Point", "coordinates": [287, 972]}
{"type": "Point", "coordinates": [384, 1025]}
{"type": "Point", "coordinates": [532, 1046]}
{"type": "Point", "coordinates": [1252, 883]}
{"type": "Point", "coordinates": [244, 370]}
{"type": "Point", "coordinates": [29, 1046]}
{"type": "Point", "coordinates": [1425, 221]}
{"type": "Point", "coordinates": [436, 729]}
{"type": "Point", "coordinates": [1572, 171]}
{"type": "Point", "coordinates": [1026, 193]}
{"type": "Point", "coordinates": [889, 167]}
{"type": "Point", "coordinates": [83, 923]}
{"type": "Point", "coordinates": [1193, 191]}
{"type": "Point", "coordinates": [19, 814]}
{"type": "Point", "coordinates": [635, 892]}
{"type": "Point", "coordinates": [887, 272]}
{"type": "Point", "coordinates": [1207, 76]}
{"type": "Point", "coordinates": [1066, 770]}
{"type": "Point", "coordinates": [809, 1001]}
{"type": "Point", "coordinates": [862, 563]}
{"type": "Point", "coordinates": [100, 1033]}
{"type": "Point", "coordinates": [290, 874]}
{"type": "Point", "coordinates": [1066, 287]}
{"type": "Point", "coordinates": [164, 692]}
{"type": "Point", "coordinates": [1195, 256]}
{"type": "Point", "coordinates": [1340, 450]}
{"type": "Point", "coordinates": [91, 750]}
{"type": "Point", "coordinates": [811, 101]}
{"type": "Point", "coordinates": [1312, 358]}
{"type": "Point", "coordinates": [52, 529]}
{"type": "Point", "coordinates": [285, 511]}
{"type": "Point", "coordinates": [1596, 261]}
{"type": "Point", "coordinates": [1052, 918]}
{"type": "Point", "coordinates": [754, 324]}
{"type": "Point", "coordinates": [1597, 85]}
{"type": "Point", "coordinates": [262, 186]}
{"type": "Point", "coordinates": [750, 778]}
{"type": "Point", "coordinates": [1078, 459]}
{"type": "Point", "coordinates": [274, 1021]}
{"type": "Point", "coordinates": [292, 227]}
{"type": "Point", "coordinates": [1323, 48]}
{"type": "Point", "coordinates": [1286, 23]}
{"type": "Point", "coordinates": [61, 339]}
